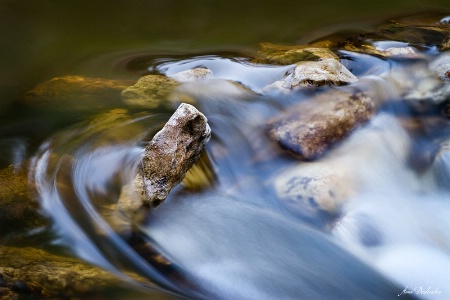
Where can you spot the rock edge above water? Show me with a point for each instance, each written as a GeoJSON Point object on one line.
{"type": "Point", "coordinates": [166, 159]}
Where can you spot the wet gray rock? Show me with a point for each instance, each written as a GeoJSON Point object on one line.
{"type": "Point", "coordinates": [308, 129]}
{"type": "Point", "coordinates": [332, 183]}
{"type": "Point", "coordinates": [421, 83]}
{"type": "Point", "coordinates": [310, 187]}
{"type": "Point", "coordinates": [166, 159]}
{"type": "Point", "coordinates": [401, 52]}
{"type": "Point", "coordinates": [316, 73]}
{"type": "Point", "coordinates": [192, 75]}
{"type": "Point", "coordinates": [441, 66]}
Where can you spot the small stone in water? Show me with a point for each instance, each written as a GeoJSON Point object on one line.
{"type": "Point", "coordinates": [402, 51]}
{"type": "Point", "coordinates": [192, 75]}
{"type": "Point", "coordinates": [441, 66]}
{"type": "Point", "coordinates": [308, 188]}
{"type": "Point", "coordinates": [316, 73]}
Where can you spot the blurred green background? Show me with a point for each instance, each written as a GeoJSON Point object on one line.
{"type": "Point", "coordinates": [43, 39]}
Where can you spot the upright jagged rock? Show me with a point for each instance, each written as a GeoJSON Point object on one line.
{"type": "Point", "coordinates": [166, 159]}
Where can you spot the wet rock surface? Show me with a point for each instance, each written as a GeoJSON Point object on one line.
{"type": "Point", "coordinates": [321, 189]}
{"type": "Point", "coordinates": [441, 66]}
{"type": "Point", "coordinates": [167, 158]}
{"type": "Point", "coordinates": [310, 188]}
{"type": "Point", "coordinates": [309, 128]}
{"type": "Point", "coordinates": [316, 73]}
{"type": "Point", "coordinates": [403, 30]}
{"type": "Point", "coordinates": [401, 52]}
{"type": "Point", "coordinates": [286, 55]}
{"type": "Point", "coordinates": [36, 274]}
{"type": "Point", "coordinates": [149, 91]}
{"type": "Point", "coordinates": [19, 211]}
{"type": "Point", "coordinates": [193, 75]}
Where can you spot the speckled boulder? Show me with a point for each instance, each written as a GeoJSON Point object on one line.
{"type": "Point", "coordinates": [308, 129]}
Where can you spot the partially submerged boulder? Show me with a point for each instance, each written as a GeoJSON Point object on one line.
{"type": "Point", "coordinates": [405, 52]}
{"type": "Point", "coordinates": [286, 55]}
{"type": "Point", "coordinates": [308, 129]}
{"type": "Point", "coordinates": [421, 83]}
{"type": "Point", "coordinates": [192, 75]}
{"type": "Point", "coordinates": [150, 91]}
{"type": "Point", "coordinates": [316, 73]}
{"type": "Point", "coordinates": [434, 34]}
{"type": "Point", "coordinates": [328, 185]}
{"type": "Point", "coordinates": [116, 127]}
{"type": "Point", "coordinates": [312, 187]}
{"type": "Point", "coordinates": [37, 274]}
{"type": "Point", "coordinates": [166, 159]}
{"type": "Point", "coordinates": [77, 93]}
{"type": "Point", "coordinates": [441, 66]}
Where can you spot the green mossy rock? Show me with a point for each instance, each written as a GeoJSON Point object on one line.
{"type": "Point", "coordinates": [149, 92]}
{"type": "Point", "coordinates": [286, 55]}
{"type": "Point", "coordinates": [37, 274]}
{"type": "Point", "coordinates": [19, 211]}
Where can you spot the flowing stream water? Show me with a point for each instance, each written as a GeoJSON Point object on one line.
{"type": "Point", "coordinates": [235, 239]}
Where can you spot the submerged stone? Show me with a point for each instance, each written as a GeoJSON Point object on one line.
{"type": "Point", "coordinates": [286, 55]}
{"type": "Point", "coordinates": [192, 75]}
{"type": "Point", "coordinates": [166, 159]}
{"type": "Point", "coordinates": [441, 66]}
{"type": "Point", "coordinates": [150, 91]}
{"type": "Point", "coordinates": [315, 73]}
{"type": "Point", "coordinates": [19, 211]}
{"type": "Point", "coordinates": [401, 52]}
{"type": "Point", "coordinates": [115, 126]}
{"type": "Point", "coordinates": [37, 274]}
{"type": "Point", "coordinates": [414, 34]}
{"type": "Point", "coordinates": [309, 128]}
{"type": "Point", "coordinates": [309, 188]}
{"type": "Point", "coordinates": [78, 93]}
{"type": "Point", "coordinates": [201, 175]}
{"type": "Point", "coordinates": [421, 84]}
